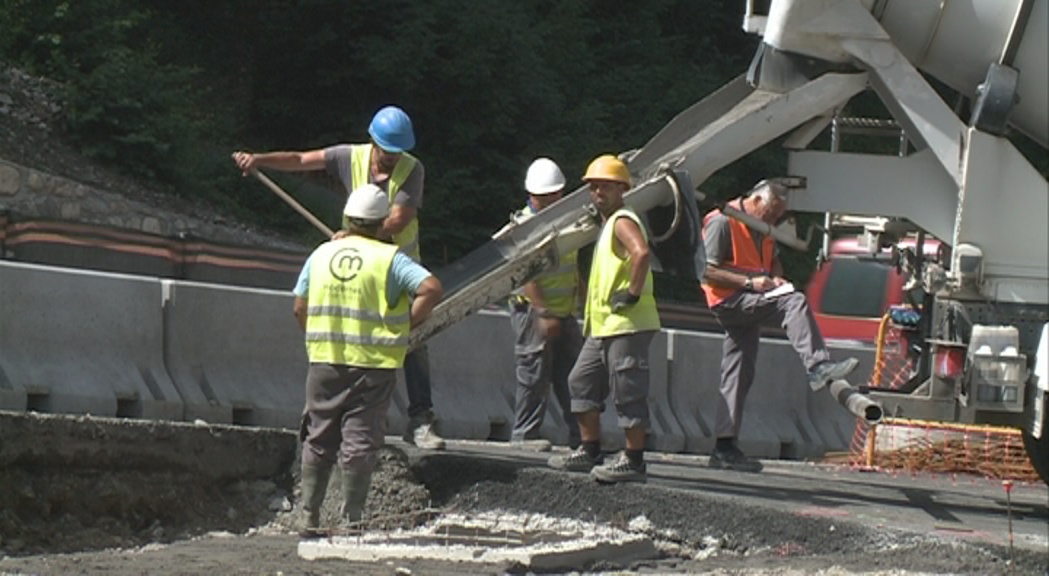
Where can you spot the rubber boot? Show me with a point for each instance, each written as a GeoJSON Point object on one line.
{"type": "Point", "coordinates": [354, 494]}
{"type": "Point", "coordinates": [314, 486]}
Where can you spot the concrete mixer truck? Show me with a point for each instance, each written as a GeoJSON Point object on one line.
{"type": "Point", "coordinates": [956, 179]}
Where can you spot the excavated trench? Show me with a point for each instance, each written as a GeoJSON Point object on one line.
{"type": "Point", "coordinates": [76, 484]}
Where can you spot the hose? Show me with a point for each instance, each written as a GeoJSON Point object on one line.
{"type": "Point", "coordinates": [677, 211]}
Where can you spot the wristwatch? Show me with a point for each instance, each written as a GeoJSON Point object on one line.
{"type": "Point", "coordinates": [748, 284]}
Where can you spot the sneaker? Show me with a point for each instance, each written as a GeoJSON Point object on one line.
{"type": "Point", "coordinates": [620, 471]}
{"type": "Point", "coordinates": [536, 445]}
{"type": "Point", "coordinates": [420, 433]}
{"type": "Point", "coordinates": [733, 459]}
{"type": "Point", "coordinates": [576, 461]}
{"type": "Point", "coordinates": [825, 372]}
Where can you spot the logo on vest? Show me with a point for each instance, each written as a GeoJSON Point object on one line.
{"type": "Point", "coordinates": [345, 264]}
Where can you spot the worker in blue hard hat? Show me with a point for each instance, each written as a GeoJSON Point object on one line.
{"type": "Point", "coordinates": [384, 161]}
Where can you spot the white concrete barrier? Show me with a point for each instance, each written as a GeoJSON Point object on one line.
{"type": "Point", "coordinates": [80, 342]}
{"type": "Point", "coordinates": [472, 371]}
{"type": "Point", "coordinates": [237, 355]}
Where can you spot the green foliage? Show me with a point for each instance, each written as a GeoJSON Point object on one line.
{"type": "Point", "coordinates": [166, 91]}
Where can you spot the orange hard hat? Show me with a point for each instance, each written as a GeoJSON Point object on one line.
{"type": "Point", "coordinates": [607, 167]}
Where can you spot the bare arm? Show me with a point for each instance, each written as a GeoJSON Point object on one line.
{"type": "Point", "coordinates": [299, 309]}
{"type": "Point", "coordinates": [629, 237]}
{"type": "Point", "coordinates": [427, 295]}
{"type": "Point", "coordinates": [399, 218]}
{"type": "Point", "coordinates": [281, 161]}
{"type": "Point", "coordinates": [534, 294]}
{"type": "Point", "coordinates": [721, 277]}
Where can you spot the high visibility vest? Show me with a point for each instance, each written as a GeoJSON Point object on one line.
{"type": "Point", "coordinates": [348, 319]}
{"type": "Point", "coordinates": [745, 257]}
{"type": "Point", "coordinates": [361, 154]}
{"type": "Point", "coordinates": [560, 285]}
{"type": "Point", "coordinates": [609, 274]}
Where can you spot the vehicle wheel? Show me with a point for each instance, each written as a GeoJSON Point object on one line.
{"type": "Point", "coordinates": [1038, 448]}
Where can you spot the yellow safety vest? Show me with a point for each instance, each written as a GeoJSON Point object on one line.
{"type": "Point", "coordinates": [348, 320]}
{"type": "Point", "coordinates": [609, 274]}
{"type": "Point", "coordinates": [560, 285]}
{"type": "Point", "coordinates": [361, 155]}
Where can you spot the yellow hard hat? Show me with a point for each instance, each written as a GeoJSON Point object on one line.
{"type": "Point", "coordinates": [607, 167]}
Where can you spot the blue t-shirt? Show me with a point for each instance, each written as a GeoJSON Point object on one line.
{"type": "Point", "coordinates": [405, 276]}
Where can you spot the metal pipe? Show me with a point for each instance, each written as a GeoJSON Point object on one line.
{"type": "Point", "coordinates": [856, 402]}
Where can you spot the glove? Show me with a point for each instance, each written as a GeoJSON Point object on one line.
{"type": "Point", "coordinates": [622, 299]}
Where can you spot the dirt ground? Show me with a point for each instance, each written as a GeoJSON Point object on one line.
{"type": "Point", "coordinates": [95, 496]}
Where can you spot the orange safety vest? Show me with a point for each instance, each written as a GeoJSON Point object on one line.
{"type": "Point", "coordinates": [745, 257]}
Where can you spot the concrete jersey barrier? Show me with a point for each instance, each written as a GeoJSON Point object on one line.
{"type": "Point", "coordinates": [83, 343]}
{"type": "Point", "coordinates": [236, 355]}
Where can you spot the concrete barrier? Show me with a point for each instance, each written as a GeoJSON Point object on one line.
{"type": "Point", "coordinates": [83, 343]}
{"type": "Point", "coordinates": [782, 417]}
{"type": "Point", "coordinates": [665, 432]}
{"type": "Point", "coordinates": [834, 424]}
{"type": "Point", "coordinates": [472, 367]}
{"type": "Point", "coordinates": [693, 376]}
{"type": "Point", "coordinates": [236, 354]}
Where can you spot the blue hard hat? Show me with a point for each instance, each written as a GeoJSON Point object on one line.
{"type": "Point", "coordinates": [391, 129]}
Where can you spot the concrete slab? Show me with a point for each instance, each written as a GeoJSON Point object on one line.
{"type": "Point", "coordinates": [534, 541]}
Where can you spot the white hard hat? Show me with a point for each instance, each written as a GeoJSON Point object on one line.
{"type": "Point", "coordinates": [367, 202]}
{"type": "Point", "coordinates": [544, 177]}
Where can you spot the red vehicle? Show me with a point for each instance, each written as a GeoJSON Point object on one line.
{"type": "Point", "coordinates": [851, 291]}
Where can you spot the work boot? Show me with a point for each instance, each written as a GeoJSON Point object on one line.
{"type": "Point", "coordinates": [620, 470]}
{"type": "Point", "coordinates": [354, 494]}
{"type": "Point", "coordinates": [531, 445]}
{"type": "Point", "coordinates": [732, 458]}
{"type": "Point", "coordinates": [577, 461]}
{"type": "Point", "coordinates": [314, 486]}
{"type": "Point", "coordinates": [420, 432]}
{"type": "Point", "coordinates": [826, 372]}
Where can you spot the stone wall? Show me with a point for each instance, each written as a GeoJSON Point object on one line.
{"type": "Point", "coordinates": [28, 193]}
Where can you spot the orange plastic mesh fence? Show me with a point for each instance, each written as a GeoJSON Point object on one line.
{"type": "Point", "coordinates": [939, 447]}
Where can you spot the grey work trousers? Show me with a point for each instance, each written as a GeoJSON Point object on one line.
{"type": "Point", "coordinates": [741, 316]}
{"type": "Point", "coordinates": [616, 365]}
{"type": "Point", "coordinates": [542, 366]}
{"type": "Point", "coordinates": [345, 415]}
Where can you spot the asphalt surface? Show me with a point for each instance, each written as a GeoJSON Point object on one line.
{"type": "Point", "coordinates": [954, 506]}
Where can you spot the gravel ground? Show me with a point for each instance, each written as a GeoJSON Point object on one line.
{"type": "Point", "coordinates": [697, 533]}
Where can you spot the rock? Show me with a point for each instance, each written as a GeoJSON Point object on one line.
{"type": "Point", "coordinates": [10, 180]}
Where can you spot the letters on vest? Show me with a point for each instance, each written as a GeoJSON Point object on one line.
{"type": "Point", "coordinates": [349, 320]}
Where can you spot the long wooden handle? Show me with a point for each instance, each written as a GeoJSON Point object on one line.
{"type": "Point", "coordinates": [291, 202]}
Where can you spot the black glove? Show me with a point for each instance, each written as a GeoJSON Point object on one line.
{"type": "Point", "coordinates": [622, 299]}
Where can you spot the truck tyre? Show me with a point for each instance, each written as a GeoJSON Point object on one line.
{"type": "Point", "coordinates": [1037, 448]}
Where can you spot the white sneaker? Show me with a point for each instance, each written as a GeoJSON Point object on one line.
{"type": "Point", "coordinates": [420, 433]}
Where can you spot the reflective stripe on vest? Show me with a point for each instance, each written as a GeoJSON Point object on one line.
{"type": "Point", "coordinates": [745, 258]}
{"type": "Point", "coordinates": [348, 319]}
{"type": "Point", "coordinates": [609, 274]}
{"type": "Point", "coordinates": [361, 155]}
{"type": "Point", "coordinates": [560, 285]}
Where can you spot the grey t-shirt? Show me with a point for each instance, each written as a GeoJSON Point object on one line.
{"type": "Point", "coordinates": [338, 161]}
{"type": "Point", "coordinates": [718, 240]}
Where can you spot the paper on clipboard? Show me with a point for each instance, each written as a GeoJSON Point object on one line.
{"type": "Point", "coordinates": [781, 290]}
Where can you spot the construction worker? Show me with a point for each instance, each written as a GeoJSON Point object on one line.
{"type": "Point", "coordinates": [542, 314]}
{"type": "Point", "coordinates": [356, 299]}
{"type": "Point", "coordinates": [742, 272]}
{"type": "Point", "coordinates": [385, 162]}
{"type": "Point", "coordinates": [619, 322]}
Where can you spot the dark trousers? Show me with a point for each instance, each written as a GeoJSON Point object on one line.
{"type": "Point", "coordinates": [540, 366]}
{"type": "Point", "coordinates": [345, 415]}
{"type": "Point", "coordinates": [741, 316]}
{"type": "Point", "coordinates": [417, 379]}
